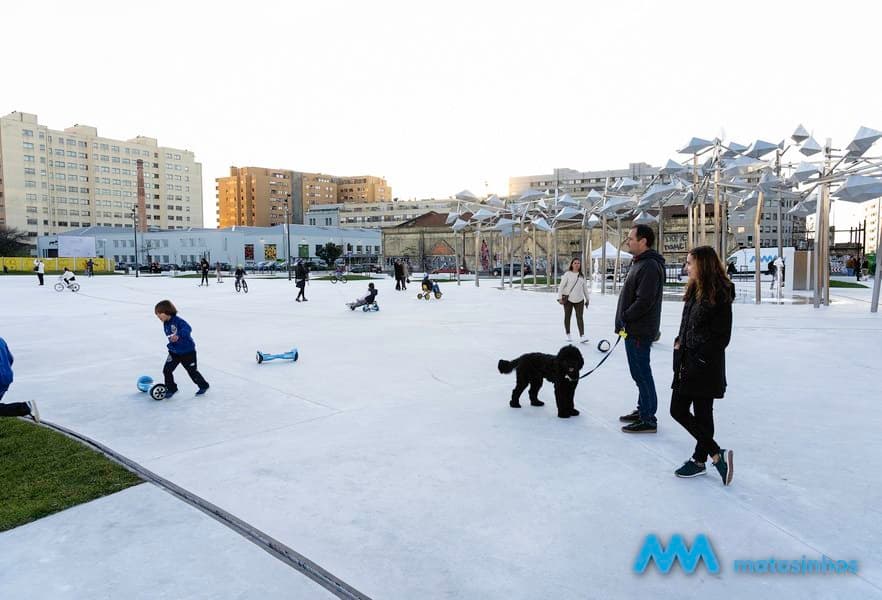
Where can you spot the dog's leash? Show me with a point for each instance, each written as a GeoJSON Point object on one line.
{"type": "Point", "coordinates": [622, 335]}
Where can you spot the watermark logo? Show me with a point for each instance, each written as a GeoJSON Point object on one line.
{"type": "Point", "coordinates": [677, 549]}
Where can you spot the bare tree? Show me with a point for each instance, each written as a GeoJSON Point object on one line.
{"type": "Point", "coordinates": [14, 242]}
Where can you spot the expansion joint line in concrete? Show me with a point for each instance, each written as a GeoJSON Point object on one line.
{"type": "Point", "coordinates": [261, 539]}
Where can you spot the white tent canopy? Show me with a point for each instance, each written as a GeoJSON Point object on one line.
{"type": "Point", "coordinates": [610, 253]}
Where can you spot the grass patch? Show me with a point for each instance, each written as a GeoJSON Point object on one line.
{"type": "Point", "coordinates": [348, 278]}
{"type": "Point", "coordinates": [845, 284]}
{"type": "Point", "coordinates": [540, 280]}
{"type": "Point", "coordinates": [44, 472]}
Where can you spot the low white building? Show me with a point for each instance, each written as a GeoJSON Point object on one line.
{"type": "Point", "coordinates": [233, 245]}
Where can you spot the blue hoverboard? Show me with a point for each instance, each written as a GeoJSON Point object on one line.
{"type": "Point", "coordinates": [263, 357]}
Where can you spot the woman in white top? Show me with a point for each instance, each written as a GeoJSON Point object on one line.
{"type": "Point", "coordinates": [573, 294]}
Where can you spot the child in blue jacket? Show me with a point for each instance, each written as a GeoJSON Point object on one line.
{"type": "Point", "coordinates": [16, 409]}
{"type": "Point", "coordinates": [181, 348]}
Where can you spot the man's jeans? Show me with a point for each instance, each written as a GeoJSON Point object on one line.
{"type": "Point", "coordinates": [637, 350]}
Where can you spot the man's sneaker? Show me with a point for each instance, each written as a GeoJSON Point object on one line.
{"type": "Point", "coordinates": [569, 338]}
{"type": "Point", "coordinates": [35, 413]}
{"type": "Point", "coordinates": [691, 468]}
{"type": "Point", "coordinates": [630, 417]}
{"type": "Point", "coordinates": [640, 427]}
{"type": "Point", "coordinates": [725, 466]}
{"type": "Point", "coordinates": [201, 390]}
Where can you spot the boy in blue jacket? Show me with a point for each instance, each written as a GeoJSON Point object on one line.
{"type": "Point", "coordinates": [16, 409]}
{"type": "Point", "coordinates": [181, 348]}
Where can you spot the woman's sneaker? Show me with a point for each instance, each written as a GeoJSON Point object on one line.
{"type": "Point", "coordinates": [691, 468]}
{"type": "Point", "coordinates": [640, 427]}
{"type": "Point", "coordinates": [725, 466]}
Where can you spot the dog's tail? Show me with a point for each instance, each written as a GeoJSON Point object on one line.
{"type": "Point", "coordinates": [507, 366]}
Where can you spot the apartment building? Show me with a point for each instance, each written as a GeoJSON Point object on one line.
{"type": "Point", "coordinates": [55, 180]}
{"type": "Point", "coordinates": [255, 197]}
{"type": "Point", "coordinates": [579, 183]}
{"type": "Point", "coordinates": [374, 215]}
{"type": "Point", "coordinates": [365, 188]}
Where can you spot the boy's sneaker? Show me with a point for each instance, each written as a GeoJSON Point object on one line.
{"type": "Point", "coordinates": [640, 427]}
{"type": "Point", "coordinates": [631, 417]}
{"type": "Point", "coordinates": [35, 413]}
{"type": "Point", "coordinates": [169, 393]}
{"type": "Point", "coordinates": [725, 466]}
{"type": "Point", "coordinates": [201, 390]}
{"type": "Point", "coordinates": [584, 339]}
{"type": "Point", "coordinates": [569, 338]}
{"type": "Point", "coordinates": [691, 468]}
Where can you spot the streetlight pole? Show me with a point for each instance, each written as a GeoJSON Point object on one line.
{"type": "Point", "coordinates": [288, 231]}
{"type": "Point", "coordinates": [135, 231]}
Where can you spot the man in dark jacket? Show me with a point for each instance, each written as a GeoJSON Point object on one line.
{"type": "Point", "coordinates": [399, 275]}
{"type": "Point", "coordinates": [639, 315]}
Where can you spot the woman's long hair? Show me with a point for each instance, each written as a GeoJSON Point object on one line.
{"type": "Point", "coordinates": [711, 279]}
{"type": "Point", "coordinates": [570, 268]}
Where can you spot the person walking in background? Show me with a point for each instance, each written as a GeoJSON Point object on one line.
{"type": "Point", "coordinates": [301, 276]}
{"type": "Point", "coordinates": [773, 269]}
{"type": "Point", "coordinates": [405, 274]}
{"type": "Point", "coordinates": [638, 315]}
{"type": "Point", "coordinates": [398, 269]}
{"type": "Point", "coordinates": [700, 360]}
{"type": "Point", "coordinates": [573, 295]}
{"type": "Point", "coordinates": [217, 270]}
{"type": "Point", "coordinates": [90, 268]}
{"type": "Point", "coordinates": [203, 267]}
{"type": "Point", "coordinates": [40, 269]}
{"type": "Point", "coordinates": [779, 270]}
{"type": "Point", "coordinates": [15, 409]}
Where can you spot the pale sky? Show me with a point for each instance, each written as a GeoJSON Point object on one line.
{"type": "Point", "coordinates": [443, 96]}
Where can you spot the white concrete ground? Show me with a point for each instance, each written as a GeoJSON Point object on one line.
{"type": "Point", "coordinates": [388, 453]}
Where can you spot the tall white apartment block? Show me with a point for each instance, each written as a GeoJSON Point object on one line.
{"type": "Point", "coordinates": [52, 181]}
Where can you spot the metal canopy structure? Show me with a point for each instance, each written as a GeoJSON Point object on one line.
{"type": "Point", "coordinates": [729, 176]}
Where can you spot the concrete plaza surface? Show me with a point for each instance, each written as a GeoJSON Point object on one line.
{"type": "Point", "coordinates": [388, 453]}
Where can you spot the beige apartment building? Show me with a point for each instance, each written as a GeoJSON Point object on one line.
{"type": "Point", "coordinates": [253, 196]}
{"type": "Point", "coordinates": [256, 196]}
{"type": "Point", "coordinates": [316, 188]}
{"type": "Point", "coordinates": [366, 188]}
{"type": "Point", "coordinates": [56, 180]}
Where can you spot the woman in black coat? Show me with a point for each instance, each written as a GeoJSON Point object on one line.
{"type": "Point", "coordinates": [700, 359]}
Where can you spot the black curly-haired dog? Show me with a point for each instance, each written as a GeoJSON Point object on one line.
{"type": "Point", "coordinates": [561, 370]}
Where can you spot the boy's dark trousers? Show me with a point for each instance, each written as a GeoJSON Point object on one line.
{"type": "Point", "coordinates": [189, 362]}
{"type": "Point", "coordinates": [15, 409]}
